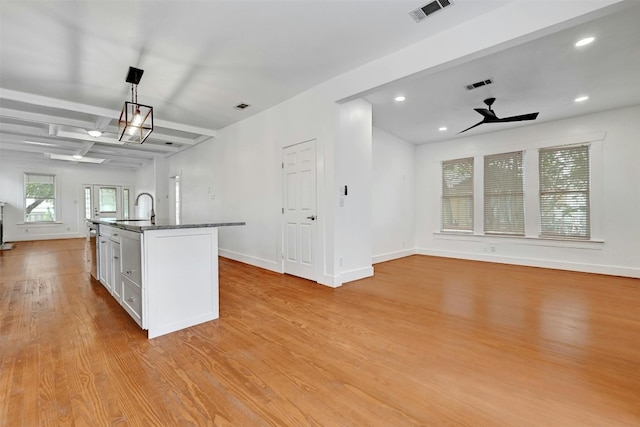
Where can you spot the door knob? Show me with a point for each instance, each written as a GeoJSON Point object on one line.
{"type": "Point", "coordinates": [312, 217]}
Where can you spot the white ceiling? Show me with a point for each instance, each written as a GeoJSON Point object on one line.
{"type": "Point", "coordinates": [63, 66]}
{"type": "Point", "coordinates": [544, 75]}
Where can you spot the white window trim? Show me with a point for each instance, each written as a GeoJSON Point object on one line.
{"type": "Point", "coordinates": [56, 195]}
{"type": "Point", "coordinates": [532, 204]}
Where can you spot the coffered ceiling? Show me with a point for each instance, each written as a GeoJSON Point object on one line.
{"type": "Point", "coordinates": [63, 66]}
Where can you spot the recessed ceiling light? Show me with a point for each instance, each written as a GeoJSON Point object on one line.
{"type": "Point", "coordinates": [585, 41]}
{"type": "Point", "coordinates": [95, 133]}
{"type": "Point", "coordinates": [442, 129]}
{"type": "Point", "coordinates": [400, 98]}
{"type": "Point", "coordinates": [581, 99]}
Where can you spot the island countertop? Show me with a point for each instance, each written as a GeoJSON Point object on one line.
{"type": "Point", "coordinates": [139, 226]}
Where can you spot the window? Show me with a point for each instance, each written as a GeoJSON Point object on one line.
{"type": "Point", "coordinates": [39, 197]}
{"type": "Point", "coordinates": [108, 199]}
{"type": "Point", "coordinates": [504, 194]}
{"type": "Point", "coordinates": [125, 202]}
{"type": "Point", "coordinates": [87, 202]}
{"type": "Point", "coordinates": [564, 192]}
{"type": "Point", "coordinates": [457, 195]}
{"type": "Point", "coordinates": [178, 203]}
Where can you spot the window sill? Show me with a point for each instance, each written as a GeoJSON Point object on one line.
{"type": "Point", "coordinates": [595, 244]}
{"type": "Point", "coordinates": [29, 224]}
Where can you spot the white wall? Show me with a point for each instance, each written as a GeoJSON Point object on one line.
{"type": "Point", "coordinates": [242, 169]}
{"type": "Point", "coordinates": [353, 163]}
{"type": "Point", "coordinates": [615, 196]}
{"type": "Point", "coordinates": [145, 182]}
{"type": "Point", "coordinates": [242, 165]}
{"type": "Point", "coordinates": [69, 195]}
{"type": "Point", "coordinates": [393, 202]}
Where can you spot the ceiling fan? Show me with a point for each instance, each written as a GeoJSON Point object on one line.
{"type": "Point", "coordinates": [488, 116]}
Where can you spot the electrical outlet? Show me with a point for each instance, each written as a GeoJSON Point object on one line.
{"type": "Point", "coordinates": [340, 262]}
{"type": "Point", "coordinates": [26, 230]}
{"type": "Point", "coordinates": [213, 196]}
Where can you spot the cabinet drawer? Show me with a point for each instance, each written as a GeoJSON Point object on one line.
{"type": "Point", "coordinates": [111, 233]}
{"type": "Point", "coordinates": [131, 256]}
{"type": "Point", "coordinates": [132, 299]}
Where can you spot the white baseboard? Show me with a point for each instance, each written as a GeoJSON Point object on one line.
{"type": "Point", "coordinates": [344, 277]}
{"type": "Point", "coordinates": [56, 236]}
{"type": "Point", "coordinates": [330, 281]}
{"type": "Point", "coordinates": [247, 259]}
{"type": "Point", "coordinates": [533, 262]}
{"type": "Point", "coordinates": [357, 274]}
{"type": "Point", "coordinates": [392, 255]}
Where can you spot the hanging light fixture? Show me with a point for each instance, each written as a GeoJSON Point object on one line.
{"type": "Point", "coordinates": [136, 120]}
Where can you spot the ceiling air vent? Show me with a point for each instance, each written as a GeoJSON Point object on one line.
{"type": "Point", "coordinates": [241, 106]}
{"type": "Point", "coordinates": [481, 83]}
{"type": "Point", "coordinates": [421, 13]}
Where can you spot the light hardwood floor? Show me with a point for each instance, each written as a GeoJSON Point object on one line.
{"type": "Point", "coordinates": [427, 341]}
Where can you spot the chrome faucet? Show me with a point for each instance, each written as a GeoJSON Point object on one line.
{"type": "Point", "coordinates": [153, 214]}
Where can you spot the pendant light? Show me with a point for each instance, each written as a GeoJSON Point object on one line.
{"type": "Point", "coordinates": [136, 120]}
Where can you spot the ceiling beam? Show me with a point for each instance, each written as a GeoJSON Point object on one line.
{"type": "Point", "coordinates": [54, 150]}
{"type": "Point", "coordinates": [101, 123]}
{"type": "Point", "coordinates": [44, 118]}
{"type": "Point", "coordinates": [85, 148]}
{"type": "Point", "coordinates": [90, 109]}
{"type": "Point", "coordinates": [23, 130]}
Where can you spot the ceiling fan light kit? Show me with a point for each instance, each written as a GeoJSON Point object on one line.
{"type": "Point", "coordinates": [136, 120]}
{"type": "Point", "coordinates": [489, 116]}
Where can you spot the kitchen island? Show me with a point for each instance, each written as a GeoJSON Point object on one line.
{"type": "Point", "coordinates": [164, 275]}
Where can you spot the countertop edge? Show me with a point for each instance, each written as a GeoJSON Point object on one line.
{"type": "Point", "coordinates": [145, 226]}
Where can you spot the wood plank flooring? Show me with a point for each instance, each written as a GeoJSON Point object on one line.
{"type": "Point", "coordinates": [427, 341]}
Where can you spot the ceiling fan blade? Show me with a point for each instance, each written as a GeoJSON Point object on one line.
{"type": "Point", "coordinates": [486, 113]}
{"type": "Point", "coordinates": [521, 118]}
{"type": "Point", "coordinates": [477, 124]}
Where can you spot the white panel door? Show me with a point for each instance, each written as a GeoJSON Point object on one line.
{"type": "Point", "coordinates": [107, 202]}
{"type": "Point", "coordinates": [299, 210]}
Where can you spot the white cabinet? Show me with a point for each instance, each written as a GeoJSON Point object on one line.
{"type": "Point", "coordinates": [109, 265]}
{"type": "Point", "coordinates": [132, 299]}
{"type": "Point", "coordinates": [165, 278]}
{"type": "Point", "coordinates": [131, 256]}
{"type": "Point", "coordinates": [104, 249]}
{"type": "Point", "coordinates": [131, 274]}
{"type": "Point", "coordinates": [179, 278]}
{"type": "Point", "coordinates": [116, 282]}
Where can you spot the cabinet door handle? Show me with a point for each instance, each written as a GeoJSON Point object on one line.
{"type": "Point", "coordinates": [115, 257]}
{"type": "Point", "coordinates": [115, 235]}
{"type": "Point", "coordinates": [131, 299]}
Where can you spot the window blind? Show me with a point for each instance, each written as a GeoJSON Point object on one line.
{"type": "Point", "coordinates": [457, 195]}
{"type": "Point", "coordinates": [564, 192]}
{"type": "Point", "coordinates": [39, 198]}
{"type": "Point", "coordinates": [504, 194]}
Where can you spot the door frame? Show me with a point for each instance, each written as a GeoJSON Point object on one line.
{"type": "Point", "coordinates": [319, 219]}
{"type": "Point", "coordinates": [94, 188]}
